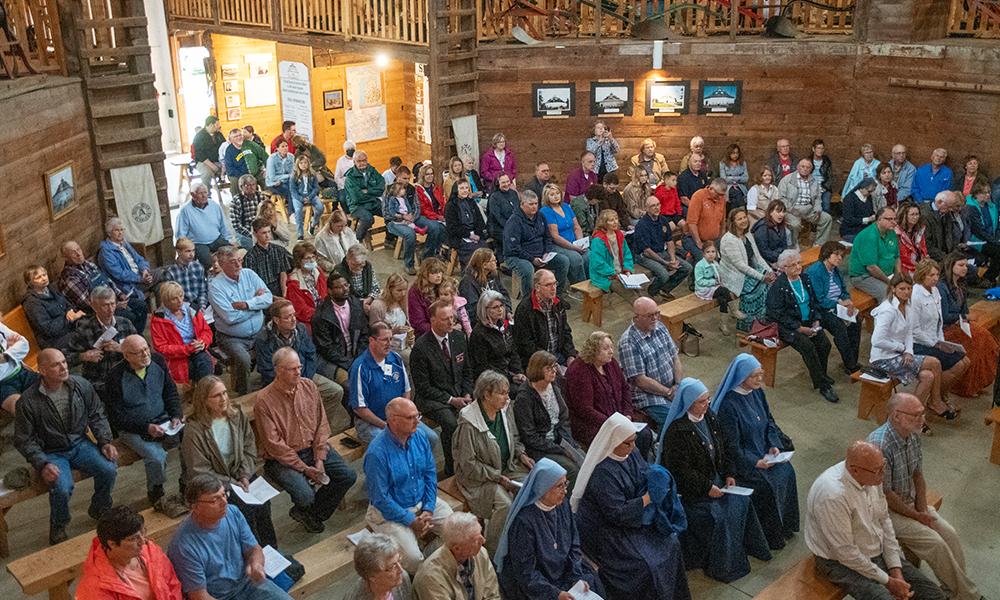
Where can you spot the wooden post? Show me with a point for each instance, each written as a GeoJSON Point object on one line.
{"type": "Point", "coordinates": [598, 20]}
{"type": "Point", "coordinates": [734, 18]}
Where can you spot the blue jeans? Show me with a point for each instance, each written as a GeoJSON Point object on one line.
{"type": "Point", "coordinates": [663, 279]}
{"type": "Point", "coordinates": [203, 252]}
{"type": "Point", "coordinates": [826, 201]}
{"type": "Point", "coordinates": [322, 502]}
{"type": "Point", "coordinates": [199, 365]}
{"type": "Point", "coordinates": [86, 457]}
{"type": "Point", "coordinates": [137, 311]}
{"type": "Point", "coordinates": [154, 456]}
{"type": "Point", "coordinates": [299, 206]}
{"type": "Point", "coordinates": [579, 264]}
{"type": "Point", "coordinates": [559, 265]}
{"type": "Point", "coordinates": [435, 234]}
{"type": "Point", "coordinates": [689, 246]}
{"type": "Point", "coordinates": [281, 189]}
{"type": "Point", "coordinates": [244, 242]}
{"type": "Point", "coordinates": [365, 219]}
{"type": "Point", "coordinates": [265, 590]}
{"type": "Point", "coordinates": [238, 349]}
{"type": "Point", "coordinates": [658, 413]}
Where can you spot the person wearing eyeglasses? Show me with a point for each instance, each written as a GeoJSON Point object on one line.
{"type": "Point", "coordinates": [382, 577]}
{"type": "Point", "coordinates": [401, 477]}
{"type": "Point", "coordinates": [875, 255]}
{"type": "Point", "coordinates": [141, 399]}
{"type": "Point", "coordinates": [917, 524]}
{"type": "Point", "coordinates": [214, 552]}
{"type": "Point", "coordinates": [650, 361]}
{"type": "Point", "coordinates": [124, 563]}
{"type": "Point", "coordinates": [849, 529]}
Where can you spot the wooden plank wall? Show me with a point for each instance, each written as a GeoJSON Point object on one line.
{"type": "Point", "coordinates": [800, 90]}
{"type": "Point", "coordinates": [227, 49]}
{"type": "Point", "coordinates": [53, 117]}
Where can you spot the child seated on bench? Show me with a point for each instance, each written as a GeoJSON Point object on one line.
{"type": "Point", "coordinates": [708, 285]}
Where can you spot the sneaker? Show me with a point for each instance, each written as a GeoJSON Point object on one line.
{"type": "Point", "coordinates": [724, 327]}
{"type": "Point", "coordinates": [574, 296]}
{"type": "Point", "coordinates": [57, 535]}
{"type": "Point", "coordinates": [305, 518]}
{"type": "Point", "coordinates": [170, 506]}
{"type": "Point", "coordinates": [411, 271]}
{"type": "Point", "coordinates": [829, 395]}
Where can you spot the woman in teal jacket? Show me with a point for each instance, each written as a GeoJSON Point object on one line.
{"type": "Point", "coordinates": [610, 255]}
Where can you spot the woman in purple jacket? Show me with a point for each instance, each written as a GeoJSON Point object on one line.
{"type": "Point", "coordinates": [499, 159]}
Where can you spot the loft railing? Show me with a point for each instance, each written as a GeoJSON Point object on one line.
{"type": "Point", "coordinates": [402, 21]}
{"type": "Point", "coordinates": [31, 40]}
{"type": "Point", "coordinates": [574, 18]}
{"type": "Point", "coordinates": [976, 18]}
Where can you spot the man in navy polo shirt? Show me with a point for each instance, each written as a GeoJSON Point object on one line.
{"type": "Point", "coordinates": [653, 248]}
{"type": "Point", "coordinates": [377, 376]}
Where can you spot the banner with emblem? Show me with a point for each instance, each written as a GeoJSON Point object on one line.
{"type": "Point", "coordinates": [137, 204]}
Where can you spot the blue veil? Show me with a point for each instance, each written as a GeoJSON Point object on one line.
{"type": "Point", "coordinates": [545, 474]}
{"type": "Point", "coordinates": [689, 390]}
{"type": "Point", "coordinates": [737, 373]}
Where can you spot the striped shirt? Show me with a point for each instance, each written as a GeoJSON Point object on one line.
{"type": "Point", "coordinates": [903, 458]}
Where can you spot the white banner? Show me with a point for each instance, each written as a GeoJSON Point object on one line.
{"type": "Point", "coordinates": [467, 138]}
{"type": "Point", "coordinates": [137, 204]}
{"type": "Point", "coordinates": [296, 103]}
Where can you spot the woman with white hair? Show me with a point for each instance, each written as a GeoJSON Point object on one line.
{"type": "Point", "coordinates": [496, 161]}
{"type": "Point", "coordinates": [360, 274]}
{"type": "Point", "coordinates": [488, 453]}
{"type": "Point", "coordinates": [116, 257]}
{"type": "Point", "coordinates": [864, 167]}
{"type": "Point", "coordinates": [491, 345]}
{"type": "Point", "coordinates": [793, 305]}
{"type": "Point", "coordinates": [629, 518]}
{"type": "Point", "coordinates": [461, 568]}
{"type": "Point", "coordinates": [539, 553]}
{"type": "Point", "coordinates": [378, 563]}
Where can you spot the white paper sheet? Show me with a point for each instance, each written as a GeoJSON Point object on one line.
{"type": "Point", "coordinates": [108, 335]}
{"type": "Point", "coordinates": [274, 562]}
{"type": "Point", "coordinates": [168, 430]}
{"type": "Point", "coordinates": [260, 491]}
{"type": "Point", "coordinates": [517, 484]}
{"type": "Point", "coordinates": [578, 593]}
{"type": "Point", "coordinates": [548, 256]}
{"type": "Point", "coordinates": [359, 536]}
{"type": "Point", "coordinates": [846, 244]}
{"type": "Point", "coordinates": [846, 315]}
{"type": "Point", "coordinates": [737, 490]}
{"type": "Point", "coordinates": [773, 459]}
{"type": "Point", "coordinates": [633, 281]}
{"type": "Point", "coordinates": [870, 377]}
{"type": "Point", "coordinates": [964, 326]}
{"type": "Point", "coordinates": [582, 243]}
{"type": "Point", "coordinates": [638, 426]}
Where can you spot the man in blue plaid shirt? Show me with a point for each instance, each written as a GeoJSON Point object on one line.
{"type": "Point", "coordinates": [650, 360]}
{"type": "Point", "coordinates": [918, 526]}
{"type": "Point", "coordinates": [189, 273]}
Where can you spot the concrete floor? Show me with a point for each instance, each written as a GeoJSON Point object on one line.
{"type": "Point", "coordinates": [955, 461]}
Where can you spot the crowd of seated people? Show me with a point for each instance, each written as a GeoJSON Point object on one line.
{"type": "Point", "coordinates": [609, 452]}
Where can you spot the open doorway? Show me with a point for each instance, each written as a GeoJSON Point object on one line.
{"type": "Point", "coordinates": [195, 88]}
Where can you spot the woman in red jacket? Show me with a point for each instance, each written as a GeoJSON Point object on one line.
{"type": "Point", "coordinates": [429, 195]}
{"type": "Point", "coordinates": [306, 286]}
{"type": "Point", "coordinates": [124, 565]}
{"type": "Point", "coordinates": [181, 335]}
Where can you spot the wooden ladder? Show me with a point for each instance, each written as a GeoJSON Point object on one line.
{"type": "Point", "coordinates": [452, 72]}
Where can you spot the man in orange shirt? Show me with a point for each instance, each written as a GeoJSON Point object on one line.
{"type": "Point", "coordinates": [705, 217]}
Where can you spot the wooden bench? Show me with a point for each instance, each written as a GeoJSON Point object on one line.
{"type": "Point", "coordinates": [449, 487]}
{"type": "Point", "coordinates": [809, 256]}
{"type": "Point", "coordinates": [18, 321]}
{"type": "Point", "coordinates": [874, 399]}
{"type": "Point", "coordinates": [766, 356]}
{"type": "Point", "coordinates": [53, 569]}
{"type": "Point", "coordinates": [592, 310]}
{"type": "Point", "coordinates": [802, 581]}
{"type": "Point", "coordinates": [675, 312]}
{"type": "Point", "coordinates": [993, 418]}
{"type": "Point", "coordinates": [986, 314]}
{"type": "Point", "coordinates": [864, 303]}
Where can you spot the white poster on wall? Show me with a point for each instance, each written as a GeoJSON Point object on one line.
{"type": "Point", "coordinates": [296, 103]}
{"type": "Point", "coordinates": [366, 124]}
{"type": "Point", "coordinates": [466, 138]}
{"type": "Point", "coordinates": [260, 91]}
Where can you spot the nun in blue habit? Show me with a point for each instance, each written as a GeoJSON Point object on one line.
{"type": "Point", "coordinates": [750, 433]}
{"type": "Point", "coordinates": [538, 555]}
{"type": "Point", "coordinates": [722, 528]}
{"type": "Point", "coordinates": [629, 518]}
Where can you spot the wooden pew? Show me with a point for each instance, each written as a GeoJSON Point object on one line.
{"type": "Point", "coordinates": [802, 581]}
{"type": "Point", "coordinates": [993, 418]}
{"type": "Point", "coordinates": [675, 312]}
{"type": "Point", "coordinates": [592, 310]}
{"type": "Point", "coordinates": [986, 314]}
{"type": "Point", "coordinates": [18, 321]}
{"type": "Point", "coordinates": [874, 399]}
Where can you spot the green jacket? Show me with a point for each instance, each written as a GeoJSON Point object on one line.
{"type": "Point", "coordinates": [602, 266]}
{"type": "Point", "coordinates": [364, 190]}
{"type": "Point", "coordinates": [257, 158]}
{"type": "Point", "coordinates": [706, 275]}
{"type": "Point", "coordinates": [582, 211]}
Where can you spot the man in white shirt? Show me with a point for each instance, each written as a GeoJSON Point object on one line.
{"type": "Point", "coordinates": [849, 530]}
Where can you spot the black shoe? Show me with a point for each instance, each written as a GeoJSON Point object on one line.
{"type": "Point", "coordinates": [829, 395]}
{"type": "Point", "coordinates": [95, 513]}
{"type": "Point", "coordinates": [305, 518]}
{"type": "Point", "coordinates": [57, 535]}
{"type": "Point", "coordinates": [155, 494]}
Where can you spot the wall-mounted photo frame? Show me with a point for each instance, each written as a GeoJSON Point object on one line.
{"type": "Point", "coordinates": [232, 100]}
{"type": "Point", "coordinates": [333, 99]}
{"type": "Point", "coordinates": [234, 114]}
{"type": "Point", "coordinates": [667, 98]}
{"type": "Point", "coordinates": [60, 190]}
{"type": "Point", "coordinates": [231, 86]}
{"type": "Point", "coordinates": [230, 71]}
{"type": "Point", "coordinates": [553, 100]}
{"type": "Point", "coordinates": [611, 98]}
{"type": "Point", "coordinates": [720, 97]}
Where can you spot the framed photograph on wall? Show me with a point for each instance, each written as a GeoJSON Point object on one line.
{"type": "Point", "coordinates": [720, 97]}
{"type": "Point", "coordinates": [667, 97]}
{"type": "Point", "coordinates": [611, 98]}
{"type": "Point", "coordinates": [230, 71]}
{"type": "Point", "coordinates": [234, 114]}
{"type": "Point", "coordinates": [232, 100]}
{"type": "Point", "coordinates": [333, 99]}
{"type": "Point", "coordinates": [231, 86]}
{"type": "Point", "coordinates": [60, 190]}
{"type": "Point", "coordinates": [554, 100]}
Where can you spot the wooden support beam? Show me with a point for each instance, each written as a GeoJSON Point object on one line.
{"type": "Point", "coordinates": [118, 136]}
{"type": "Point", "coordinates": [456, 56]}
{"type": "Point", "coordinates": [125, 108]}
{"type": "Point", "coordinates": [130, 160]}
{"type": "Point", "coordinates": [951, 86]}
{"type": "Point", "coordinates": [459, 78]}
{"type": "Point", "coordinates": [113, 22]}
{"type": "Point", "coordinates": [115, 81]}
{"type": "Point", "coordinates": [459, 12]}
{"type": "Point", "coordinates": [448, 38]}
{"type": "Point", "coordinates": [461, 99]}
{"type": "Point", "coordinates": [121, 51]}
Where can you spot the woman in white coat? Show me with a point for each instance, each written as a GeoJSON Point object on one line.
{"type": "Point", "coordinates": [743, 271]}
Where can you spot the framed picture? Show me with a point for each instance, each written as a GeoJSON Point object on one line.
{"type": "Point", "coordinates": [60, 190]}
{"type": "Point", "coordinates": [231, 86]}
{"type": "Point", "coordinates": [554, 99]}
{"type": "Point", "coordinates": [260, 69]}
{"type": "Point", "coordinates": [720, 97]}
{"type": "Point", "coordinates": [230, 71]}
{"type": "Point", "coordinates": [333, 99]}
{"type": "Point", "coordinates": [232, 100]}
{"type": "Point", "coordinates": [667, 97]}
{"type": "Point", "coordinates": [611, 98]}
{"type": "Point", "coordinates": [234, 114]}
